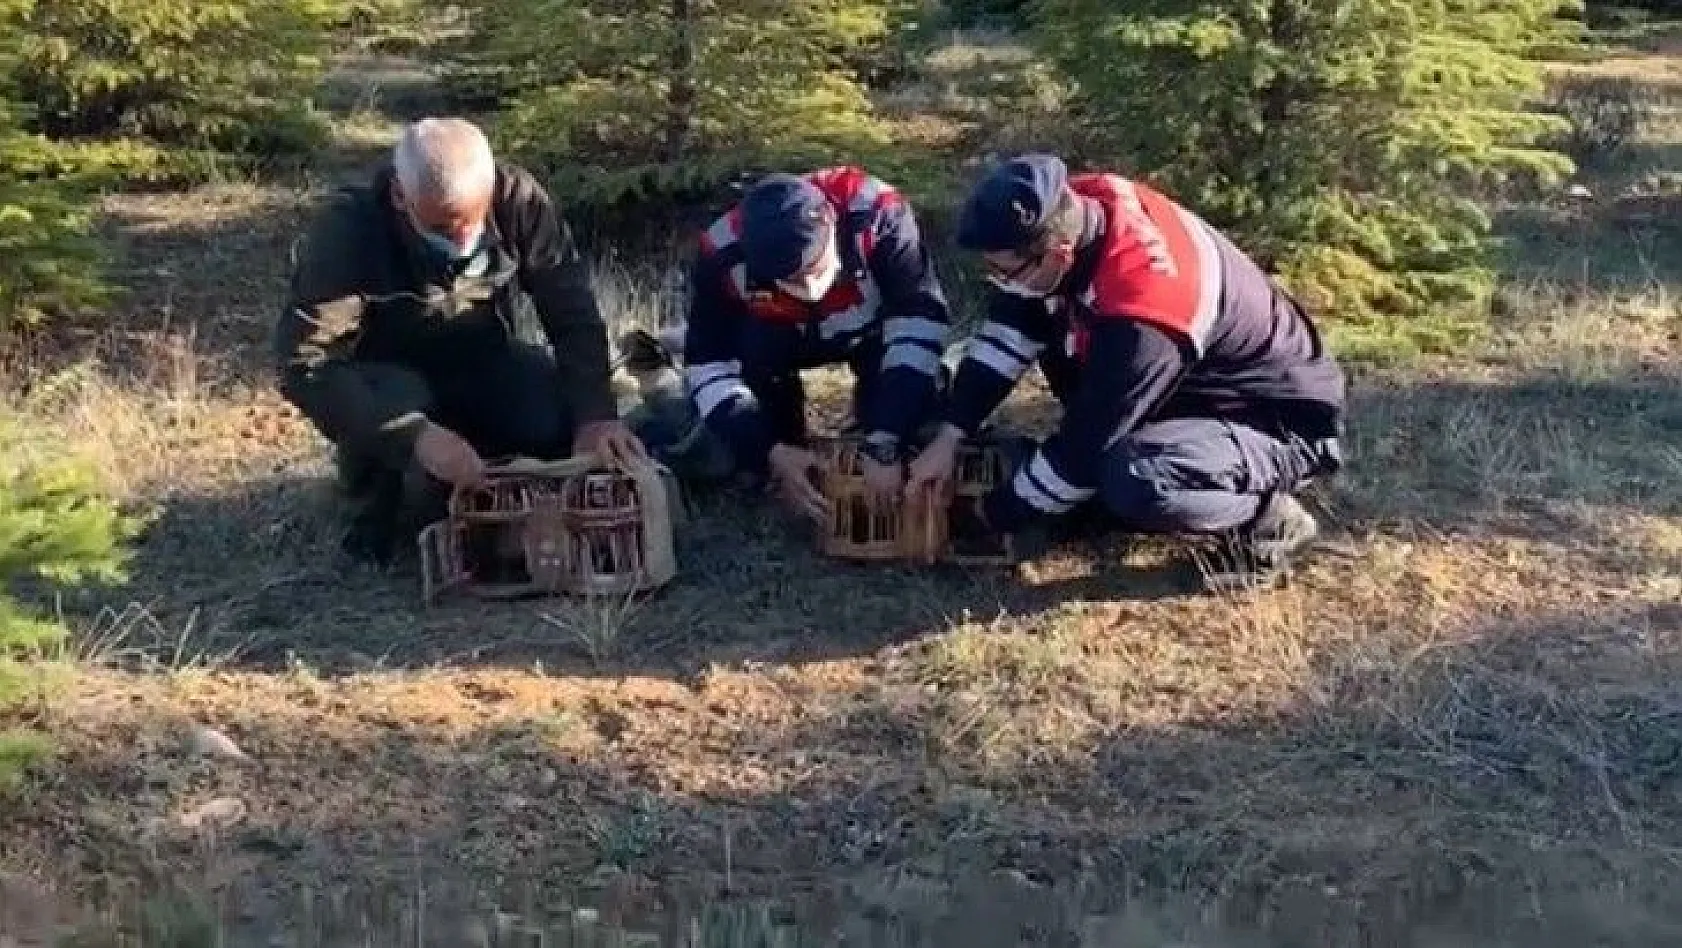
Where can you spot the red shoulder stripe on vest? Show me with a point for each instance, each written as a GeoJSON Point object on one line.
{"type": "Point", "coordinates": [723, 232]}
{"type": "Point", "coordinates": [1159, 263]}
{"type": "Point", "coordinates": [852, 190]}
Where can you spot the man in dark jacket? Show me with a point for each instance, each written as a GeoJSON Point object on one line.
{"type": "Point", "coordinates": [1197, 394]}
{"type": "Point", "coordinates": [824, 268]}
{"type": "Point", "coordinates": [401, 340]}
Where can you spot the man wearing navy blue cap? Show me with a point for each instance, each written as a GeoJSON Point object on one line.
{"type": "Point", "coordinates": [1196, 392]}
{"type": "Point", "coordinates": [809, 270]}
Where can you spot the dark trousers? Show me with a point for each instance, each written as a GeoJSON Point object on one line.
{"type": "Point", "coordinates": [505, 402]}
{"type": "Point", "coordinates": [782, 394]}
{"type": "Point", "coordinates": [1203, 475]}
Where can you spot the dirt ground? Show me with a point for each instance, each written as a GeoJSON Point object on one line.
{"type": "Point", "coordinates": [1461, 726]}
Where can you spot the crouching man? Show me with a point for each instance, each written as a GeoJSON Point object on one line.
{"type": "Point", "coordinates": [825, 268]}
{"type": "Point", "coordinates": [402, 342]}
{"type": "Point", "coordinates": [1196, 393]}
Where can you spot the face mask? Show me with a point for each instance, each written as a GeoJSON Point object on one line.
{"type": "Point", "coordinates": [1017, 289]}
{"type": "Point", "coordinates": [812, 287]}
{"type": "Point", "coordinates": [1046, 272]}
{"type": "Point", "coordinates": [447, 248]}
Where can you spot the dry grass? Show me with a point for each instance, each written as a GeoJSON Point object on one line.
{"type": "Point", "coordinates": [1462, 731]}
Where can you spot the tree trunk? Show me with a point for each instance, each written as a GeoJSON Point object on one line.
{"type": "Point", "coordinates": [1285, 33]}
{"type": "Point", "coordinates": [1277, 97]}
{"type": "Point", "coordinates": [680, 100]}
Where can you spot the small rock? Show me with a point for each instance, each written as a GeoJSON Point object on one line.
{"type": "Point", "coordinates": [547, 779]}
{"type": "Point", "coordinates": [209, 742]}
{"type": "Point", "coordinates": [218, 814]}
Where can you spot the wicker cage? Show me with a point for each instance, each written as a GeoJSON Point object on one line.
{"type": "Point", "coordinates": [981, 467]}
{"type": "Point", "coordinates": [865, 528]}
{"type": "Point", "coordinates": [572, 527]}
{"type": "Point", "coordinates": [916, 528]}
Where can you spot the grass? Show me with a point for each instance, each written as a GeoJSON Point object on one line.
{"type": "Point", "coordinates": [1462, 730]}
{"type": "Point", "coordinates": [596, 623]}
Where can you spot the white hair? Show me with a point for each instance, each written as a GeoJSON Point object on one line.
{"type": "Point", "coordinates": [447, 160]}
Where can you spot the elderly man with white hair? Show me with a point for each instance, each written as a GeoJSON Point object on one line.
{"type": "Point", "coordinates": [403, 339]}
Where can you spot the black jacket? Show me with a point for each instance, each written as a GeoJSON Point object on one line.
{"type": "Point", "coordinates": [367, 289]}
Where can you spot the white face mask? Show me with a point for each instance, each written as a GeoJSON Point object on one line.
{"type": "Point", "coordinates": [1017, 289]}
{"type": "Point", "coordinates": [812, 287]}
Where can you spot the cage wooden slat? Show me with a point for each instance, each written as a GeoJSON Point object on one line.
{"type": "Point", "coordinates": [575, 527]}
{"type": "Point", "coordinates": [916, 529]}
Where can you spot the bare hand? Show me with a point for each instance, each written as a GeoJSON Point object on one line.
{"type": "Point", "coordinates": [883, 480]}
{"type": "Point", "coordinates": [612, 442]}
{"type": "Point", "coordinates": [936, 464]}
{"type": "Point", "coordinates": [448, 457]}
{"type": "Point", "coordinates": [795, 471]}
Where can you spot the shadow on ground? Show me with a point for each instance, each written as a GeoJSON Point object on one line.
{"type": "Point", "coordinates": [1548, 458]}
{"type": "Point", "coordinates": [1517, 787]}
{"type": "Point", "coordinates": [1618, 245]}
{"type": "Point", "coordinates": [257, 577]}
{"type": "Point", "coordinates": [255, 574]}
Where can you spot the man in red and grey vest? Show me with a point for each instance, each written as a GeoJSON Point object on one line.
{"type": "Point", "coordinates": [809, 270]}
{"type": "Point", "coordinates": [1196, 393]}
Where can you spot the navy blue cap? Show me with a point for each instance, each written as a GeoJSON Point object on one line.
{"type": "Point", "coordinates": [783, 226]}
{"type": "Point", "coordinates": [1006, 210]}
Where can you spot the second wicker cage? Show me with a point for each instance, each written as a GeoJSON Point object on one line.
{"type": "Point", "coordinates": [866, 528]}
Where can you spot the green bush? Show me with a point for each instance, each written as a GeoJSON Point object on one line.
{"type": "Point", "coordinates": [1345, 144]}
{"type": "Point", "coordinates": [55, 528]}
{"type": "Point", "coordinates": [638, 101]}
{"type": "Point", "coordinates": [48, 259]}
{"type": "Point", "coordinates": [215, 76]}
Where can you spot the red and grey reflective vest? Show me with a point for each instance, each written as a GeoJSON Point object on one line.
{"type": "Point", "coordinates": [887, 294]}
{"type": "Point", "coordinates": [1244, 349]}
{"type": "Point", "coordinates": [1160, 265]}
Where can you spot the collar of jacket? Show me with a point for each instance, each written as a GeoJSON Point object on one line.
{"type": "Point", "coordinates": [1088, 250]}
{"type": "Point", "coordinates": [422, 261]}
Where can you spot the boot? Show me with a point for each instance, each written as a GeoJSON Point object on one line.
{"type": "Point", "coordinates": [375, 528]}
{"type": "Point", "coordinates": [644, 352]}
{"type": "Point", "coordinates": [1280, 533]}
{"type": "Point", "coordinates": [1264, 551]}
